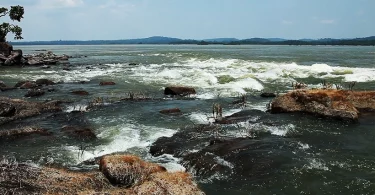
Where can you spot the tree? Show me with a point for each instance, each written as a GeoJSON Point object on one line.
{"type": "Point", "coordinates": [16, 14]}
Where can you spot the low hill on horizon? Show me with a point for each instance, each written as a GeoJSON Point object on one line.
{"type": "Point", "coordinates": [225, 41]}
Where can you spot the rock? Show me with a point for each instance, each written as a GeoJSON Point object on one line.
{"type": "Point", "coordinates": [44, 82]}
{"type": "Point", "coordinates": [34, 93]}
{"type": "Point", "coordinates": [340, 104]}
{"type": "Point", "coordinates": [168, 183]}
{"type": "Point", "coordinates": [178, 90]}
{"type": "Point", "coordinates": [267, 94]}
{"type": "Point", "coordinates": [20, 83]}
{"type": "Point", "coordinates": [80, 92]}
{"type": "Point", "coordinates": [127, 170]}
{"type": "Point", "coordinates": [45, 67]}
{"type": "Point", "coordinates": [24, 131]}
{"type": "Point", "coordinates": [28, 85]}
{"type": "Point", "coordinates": [243, 157]}
{"type": "Point", "coordinates": [48, 180]}
{"type": "Point", "coordinates": [34, 62]}
{"type": "Point", "coordinates": [133, 64]}
{"type": "Point", "coordinates": [170, 111]}
{"type": "Point", "coordinates": [66, 69]}
{"type": "Point", "coordinates": [25, 109]}
{"type": "Point", "coordinates": [107, 83]}
{"type": "Point", "coordinates": [79, 132]}
{"type": "Point", "coordinates": [7, 110]}
{"type": "Point", "coordinates": [240, 116]}
{"type": "Point", "coordinates": [50, 62]}
{"type": "Point", "coordinates": [2, 84]}
{"type": "Point", "coordinates": [5, 48]}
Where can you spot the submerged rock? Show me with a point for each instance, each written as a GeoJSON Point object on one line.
{"type": "Point", "coordinates": [170, 111]}
{"type": "Point", "coordinates": [340, 104]}
{"type": "Point", "coordinates": [80, 92]}
{"type": "Point", "coordinates": [107, 83]}
{"type": "Point", "coordinates": [34, 93]}
{"type": "Point", "coordinates": [179, 90]}
{"type": "Point", "coordinates": [44, 82]}
{"type": "Point", "coordinates": [267, 94]}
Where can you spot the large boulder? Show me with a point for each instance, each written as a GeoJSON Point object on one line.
{"type": "Point", "coordinates": [341, 104]}
{"type": "Point", "coordinates": [7, 109]}
{"type": "Point", "coordinates": [179, 90]}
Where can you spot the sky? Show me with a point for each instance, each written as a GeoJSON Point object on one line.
{"type": "Point", "coordinates": [193, 19]}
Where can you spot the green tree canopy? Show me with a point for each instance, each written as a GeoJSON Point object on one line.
{"type": "Point", "coordinates": [16, 14]}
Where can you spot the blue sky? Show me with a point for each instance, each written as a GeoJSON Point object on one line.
{"type": "Point", "coordinates": [194, 19]}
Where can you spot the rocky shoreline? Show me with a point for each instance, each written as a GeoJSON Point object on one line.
{"type": "Point", "coordinates": [118, 174]}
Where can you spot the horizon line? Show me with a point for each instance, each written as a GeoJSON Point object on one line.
{"type": "Point", "coordinates": [286, 39]}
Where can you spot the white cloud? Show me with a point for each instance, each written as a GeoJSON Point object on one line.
{"type": "Point", "coordinates": [327, 21]}
{"type": "Point", "coordinates": [50, 4]}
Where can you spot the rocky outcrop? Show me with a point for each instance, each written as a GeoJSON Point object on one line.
{"type": "Point", "coordinates": [340, 104]}
{"type": "Point", "coordinates": [26, 179]}
{"type": "Point", "coordinates": [47, 58]}
{"type": "Point", "coordinates": [14, 109]}
{"type": "Point", "coordinates": [179, 90]}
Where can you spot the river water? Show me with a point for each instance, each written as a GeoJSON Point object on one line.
{"type": "Point", "coordinates": [315, 156]}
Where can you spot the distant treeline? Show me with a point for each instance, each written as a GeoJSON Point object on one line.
{"type": "Point", "coordinates": [367, 41]}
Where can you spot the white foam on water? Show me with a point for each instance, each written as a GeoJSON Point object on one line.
{"type": "Point", "coordinates": [316, 164]}
{"type": "Point", "coordinates": [76, 107]}
{"type": "Point", "coordinates": [223, 162]}
{"type": "Point", "coordinates": [126, 136]}
{"type": "Point", "coordinates": [303, 146]}
{"type": "Point", "coordinates": [168, 161]}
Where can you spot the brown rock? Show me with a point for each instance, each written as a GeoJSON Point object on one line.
{"type": "Point", "coordinates": [80, 92]}
{"type": "Point", "coordinates": [170, 111]}
{"type": "Point", "coordinates": [168, 183]}
{"type": "Point", "coordinates": [79, 132]}
{"type": "Point", "coordinates": [107, 83]}
{"type": "Point", "coordinates": [127, 170]}
{"type": "Point", "coordinates": [179, 90]}
{"type": "Point", "coordinates": [342, 104]}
